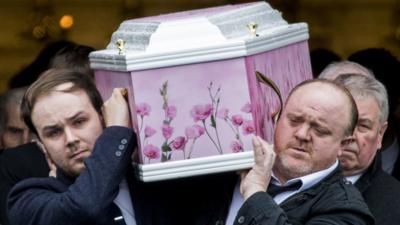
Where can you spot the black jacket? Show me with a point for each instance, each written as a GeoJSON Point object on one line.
{"type": "Point", "coordinates": [16, 164]}
{"type": "Point", "coordinates": [331, 201]}
{"type": "Point", "coordinates": [381, 193]}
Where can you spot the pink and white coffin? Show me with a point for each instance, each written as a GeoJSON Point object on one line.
{"type": "Point", "coordinates": [202, 83]}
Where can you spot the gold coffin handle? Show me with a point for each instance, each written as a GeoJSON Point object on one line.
{"type": "Point", "coordinates": [270, 83]}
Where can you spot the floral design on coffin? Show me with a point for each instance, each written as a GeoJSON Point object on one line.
{"type": "Point", "coordinates": [206, 117]}
{"type": "Point", "coordinates": [151, 152]}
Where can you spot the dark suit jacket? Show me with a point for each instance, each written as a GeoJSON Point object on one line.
{"type": "Point", "coordinates": [86, 200]}
{"type": "Point", "coordinates": [396, 169]}
{"type": "Point", "coordinates": [16, 164]}
{"type": "Point", "coordinates": [381, 193]}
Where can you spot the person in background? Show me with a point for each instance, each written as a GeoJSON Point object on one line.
{"type": "Point", "coordinates": [361, 160]}
{"type": "Point", "coordinates": [13, 131]}
{"type": "Point", "coordinates": [335, 69]}
{"type": "Point", "coordinates": [320, 58]}
{"type": "Point", "coordinates": [30, 73]}
{"type": "Point", "coordinates": [386, 68]}
{"type": "Point", "coordinates": [58, 54]}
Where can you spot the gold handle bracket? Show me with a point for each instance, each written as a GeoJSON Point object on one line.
{"type": "Point", "coordinates": [252, 26]}
{"type": "Point", "coordinates": [121, 46]}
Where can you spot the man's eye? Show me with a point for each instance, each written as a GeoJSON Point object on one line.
{"type": "Point", "coordinates": [14, 130]}
{"type": "Point", "coordinates": [363, 127]}
{"type": "Point", "coordinates": [295, 120]}
{"type": "Point", "coordinates": [321, 131]}
{"type": "Point", "coordinates": [53, 133]}
{"type": "Point", "coordinates": [79, 121]}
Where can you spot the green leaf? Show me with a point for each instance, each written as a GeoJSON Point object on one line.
{"type": "Point", "coordinates": [213, 123]}
{"type": "Point", "coordinates": [166, 148]}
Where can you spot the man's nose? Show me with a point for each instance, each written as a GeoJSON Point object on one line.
{"type": "Point", "coordinates": [303, 132]}
{"type": "Point", "coordinates": [70, 137]}
{"type": "Point", "coordinates": [350, 140]}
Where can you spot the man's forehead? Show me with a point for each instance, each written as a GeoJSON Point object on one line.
{"type": "Point", "coordinates": [319, 97]}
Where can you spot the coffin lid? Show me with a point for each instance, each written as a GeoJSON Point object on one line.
{"type": "Point", "coordinates": [197, 36]}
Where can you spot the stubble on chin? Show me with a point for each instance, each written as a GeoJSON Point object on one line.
{"type": "Point", "coordinates": [287, 168]}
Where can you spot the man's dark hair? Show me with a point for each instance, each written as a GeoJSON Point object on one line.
{"type": "Point", "coordinates": [320, 58]}
{"type": "Point", "coordinates": [53, 78]}
{"type": "Point", "coordinates": [73, 57]}
{"type": "Point", "coordinates": [59, 54]}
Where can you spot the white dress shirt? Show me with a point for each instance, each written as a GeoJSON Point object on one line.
{"type": "Point", "coordinates": [353, 179]}
{"type": "Point", "coordinates": [124, 203]}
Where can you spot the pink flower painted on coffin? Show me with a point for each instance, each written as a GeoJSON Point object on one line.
{"type": "Point", "coordinates": [179, 143]}
{"type": "Point", "coordinates": [201, 112]}
{"type": "Point", "coordinates": [170, 112]}
{"type": "Point", "coordinates": [223, 113]}
{"type": "Point", "coordinates": [236, 146]}
{"type": "Point", "coordinates": [248, 127]}
{"type": "Point", "coordinates": [194, 131]}
{"type": "Point", "coordinates": [237, 120]}
{"type": "Point", "coordinates": [167, 131]}
{"type": "Point", "coordinates": [143, 109]}
{"type": "Point", "coordinates": [246, 108]}
{"type": "Point", "coordinates": [149, 131]}
{"type": "Point", "coordinates": [151, 152]}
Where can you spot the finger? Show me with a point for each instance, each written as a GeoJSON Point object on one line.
{"type": "Point", "coordinates": [258, 152]}
{"type": "Point", "coordinates": [124, 92]}
{"type": "Point", "coordinates": [267, 148]}
{"type": "Point", "coordinates": [120, 92]}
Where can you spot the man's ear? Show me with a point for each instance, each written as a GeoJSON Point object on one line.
{"type": "Point", "coordinates": [381, 131]}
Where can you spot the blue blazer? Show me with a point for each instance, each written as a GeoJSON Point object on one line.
{"type": "Point", "coordinates": [84, 200]}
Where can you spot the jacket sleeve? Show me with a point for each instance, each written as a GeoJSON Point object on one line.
{"type": "Point", "coordinates": [47, 201]}
{"type": "Point", "coordinates": [260, 209]}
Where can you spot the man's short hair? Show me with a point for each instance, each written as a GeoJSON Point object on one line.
{"type": "Point", "coordinates": [8, 99]}
{"type": "Point", "coordinates": [352, 104]}
{"type": "Point", "coordinates": [53, 78]}
{"type": "Point", "coordinates": [336, 68]}
{"type": "Point", "coordinates": [73, 57]}
{"type": "Point", "coordinates": [362, 86]}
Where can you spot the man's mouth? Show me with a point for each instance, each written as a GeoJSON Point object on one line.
{"type": "Point", "coordinates": [299, 148]}
{"type": "Point", "coordinates": [350, 150]}
{"type": "Point", "coordinates": [79, 153]}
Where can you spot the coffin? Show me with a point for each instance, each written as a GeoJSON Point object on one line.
{"type": "Point", "coordinates": [201, 83]}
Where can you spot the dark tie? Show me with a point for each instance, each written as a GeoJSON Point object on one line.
{"type": "Point", "coordinates": [274, 189]}
{"type": "Point", "coordinates": [115, 215]}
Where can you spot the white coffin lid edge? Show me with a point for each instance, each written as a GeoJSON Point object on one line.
{"type": "Point", "coordinates": [198, 39]}
{"type": "Point", "coordinates": [194, 167]}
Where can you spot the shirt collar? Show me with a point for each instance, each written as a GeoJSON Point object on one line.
{"type": "Point", "coordinates": [308, 180]}
{"type": "Point", "coordinates": [353, 179]}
